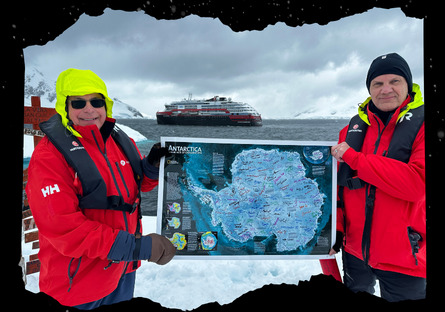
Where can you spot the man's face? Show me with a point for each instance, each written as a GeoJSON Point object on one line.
{"type": "Point", "coordinates": [388, 91]}
{"type": "Point", "coordinates": [88, 115]}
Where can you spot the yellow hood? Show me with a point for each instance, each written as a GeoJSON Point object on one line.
{"type": "Point", "coordinates": [79, 82]}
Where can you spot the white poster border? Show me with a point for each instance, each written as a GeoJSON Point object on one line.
{"type": "Point", "coordinates": [251, 142]}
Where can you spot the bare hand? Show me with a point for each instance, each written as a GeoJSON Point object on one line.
{"type": "Point", "coordinates": [338, 150]}
{"type": "Point", "coordinates": [332, 252]}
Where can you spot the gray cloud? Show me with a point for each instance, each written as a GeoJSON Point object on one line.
{"type": "Point", "coordinates": [140, 57]}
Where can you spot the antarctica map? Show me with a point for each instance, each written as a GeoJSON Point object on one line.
{"type": "Point", "coordinates": [244, 198]}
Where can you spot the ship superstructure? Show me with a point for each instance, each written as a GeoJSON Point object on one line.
{"type": "Point", "coordinates": [216, 111]}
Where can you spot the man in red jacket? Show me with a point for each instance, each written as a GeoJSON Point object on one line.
{"type": "Point", "coordinates": [85, 178]}
{"type": "Point", "coordinates": [381, 221]}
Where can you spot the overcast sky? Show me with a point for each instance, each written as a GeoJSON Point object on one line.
{"type": "Point", "coordinates": [280, 70]}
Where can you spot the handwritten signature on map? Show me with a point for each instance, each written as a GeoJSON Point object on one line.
{"type": "Point", "coordinates": [237, 199]}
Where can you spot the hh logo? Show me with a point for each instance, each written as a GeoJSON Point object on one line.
{"type": "Point", "coordinates": [49, 190]}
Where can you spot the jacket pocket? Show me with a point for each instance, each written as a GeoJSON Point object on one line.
{"type": "Point", "coordinates": [414, 239]}
{"type": "Point", "coordinates": [71, 276]}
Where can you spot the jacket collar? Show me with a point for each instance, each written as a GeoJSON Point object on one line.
{"type": "Point", "coordinates": [373, 110]}
{"type": "Point", "coordinates": [417, 101]}
{"type": "Point", "coordinates": [105, 130]}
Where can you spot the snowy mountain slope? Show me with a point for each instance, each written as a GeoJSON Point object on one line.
{"type": "Point", "coordinates": [345, 111]}
{"type": "Point", "coordinates": [122, 110]}
{"type": "Point", "coordinates": [36, 84]}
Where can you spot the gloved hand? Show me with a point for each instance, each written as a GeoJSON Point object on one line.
{"type": "Point", "coordinates": [156, 153]}
{"type": "Point", "coordinates": [152, 247]}
{"type": "Point", "coordinates": [162, 249]}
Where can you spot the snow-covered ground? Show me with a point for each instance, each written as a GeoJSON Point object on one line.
{"type": "Point", "coordinates": [222, 280]}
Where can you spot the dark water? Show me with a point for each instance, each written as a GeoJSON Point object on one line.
{"type": "Point", "coordinates": [295, 130]}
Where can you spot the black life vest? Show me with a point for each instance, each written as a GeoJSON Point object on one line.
{"type": "Point", "coordinates": [400, 148]}
{"type": "Point", "coordinates": [93, 186]}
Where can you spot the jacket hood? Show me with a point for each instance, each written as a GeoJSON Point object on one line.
{"type": "Point", "coordinates": [418, 101]}
{"type": "Point", "coordinates": [79, 82]}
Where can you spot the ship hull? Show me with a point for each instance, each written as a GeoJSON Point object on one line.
{"type": "Point", "coordinates": [208, 121]}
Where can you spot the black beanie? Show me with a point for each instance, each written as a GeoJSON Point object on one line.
{"type": "Point", "coordinates": [391, 63]}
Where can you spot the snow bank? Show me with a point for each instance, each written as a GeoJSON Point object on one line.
{"type": "Point", "coordinates": [188, 284]}
{"type": "Point", "coordinates": [197, 282]}
{"type": "Point", "coordinates": [135, 135]}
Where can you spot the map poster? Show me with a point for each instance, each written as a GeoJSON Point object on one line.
{"type": "Point", "coordinates": [237, 199]}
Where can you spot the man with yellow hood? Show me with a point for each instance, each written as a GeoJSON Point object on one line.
{"type": "Point", "coordinates": [85, 179]}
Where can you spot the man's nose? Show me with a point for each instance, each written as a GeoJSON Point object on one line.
{"type": "Point", "coordinates": [387, 88]}
{"type": "Point", "coordinates": [88, 107]}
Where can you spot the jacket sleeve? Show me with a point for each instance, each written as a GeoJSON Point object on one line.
{"type": "Point", "coordinates": [54, 205]}
{"type": "Point", "coordinates": [340, 213]}
{"type": "Point", "coordinates": [405, 181]}
{"type": "Point", "coordinates": [124, 246]}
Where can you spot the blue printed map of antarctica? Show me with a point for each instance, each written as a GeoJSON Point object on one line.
{"type": "Point", "coordinates": [247, 198]}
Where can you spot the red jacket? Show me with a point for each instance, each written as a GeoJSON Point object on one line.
{"type": "Point", "coordinates": [76, 242]}
{"type": "Point", "coordinates": [399, 199]}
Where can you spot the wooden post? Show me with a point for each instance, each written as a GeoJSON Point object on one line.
{"type": "Point", "coordinates": [35, 102]}
{"type": "Point", "coordinates": [36, 114]}
{"type": "Point", "coordinates": [33, 115]}
{"type": "Point", "coordinates": [32, 233]}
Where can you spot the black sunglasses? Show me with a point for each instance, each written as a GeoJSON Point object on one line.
{"type": "Point", "coordinates": [79, 104]}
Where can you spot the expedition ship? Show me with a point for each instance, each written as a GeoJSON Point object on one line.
{"type": "Point", "coordinates": [217, 111]}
